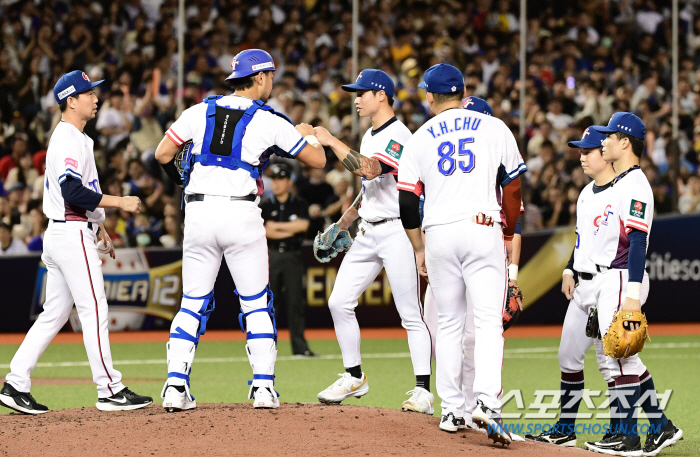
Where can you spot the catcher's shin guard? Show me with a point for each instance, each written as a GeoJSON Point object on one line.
{"type": "Point", "coordinates": [188, 325]}
{"type": "Point", "coordinates": [257, 320]}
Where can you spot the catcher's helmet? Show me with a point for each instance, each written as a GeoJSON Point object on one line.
{"type": "Point", "coordinates": [249, 62]}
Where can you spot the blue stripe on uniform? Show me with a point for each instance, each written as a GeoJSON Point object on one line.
{"type": "Point", "coordinates": [298, 147]}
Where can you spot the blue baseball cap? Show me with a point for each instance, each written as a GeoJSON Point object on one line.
{"type": "Point", "coordinates": [624, 122]}
{"type": "Point", "coordinates": [371, 79]}
{"type": "Point", "coordinates": [477, 104]}
{"type": "Point", "coordinates": [590, 139]}
{"type": "Point", "coordinates": [71, 84]}
{"type": "Point", "coordinates": [442, 79]}
{"type": "Point", "coordinates": [249, 62]}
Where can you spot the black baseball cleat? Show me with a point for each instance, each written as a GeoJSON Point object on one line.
{"type": "Point", "coordinates": [124, 400]}
{"type": "Point", "coordinates": [554, 437]}
{"type": "Point", "coordinates": [22, 402]}
{"type": "Point", "coordinates": [450, 423]}
{"type": "Point", "coordinates": [669, 436]}
{"type": "Point", "coordinates": [490, 420]}
{"type": "Point", "coordinates": [617, 445]}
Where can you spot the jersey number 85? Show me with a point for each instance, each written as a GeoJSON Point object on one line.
{"type": "Point", "coordinates": [448, 164]}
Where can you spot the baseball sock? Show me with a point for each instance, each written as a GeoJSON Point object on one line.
{"type": "Point", "coordinates": [571, 388]}
{"type": "Point", "coordinates": [423, 381]}
{"type": "Point", "coordinates": [614, 409]}
{"type": "Point", "coordinates": [627, 392]}
{"type": "Point", "coordinates": [650, 405]}
{"type": "Point", "coordinates": [355, 372]}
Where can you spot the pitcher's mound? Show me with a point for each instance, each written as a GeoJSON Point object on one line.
{"type": "Point", "coordinates": [295, 429]}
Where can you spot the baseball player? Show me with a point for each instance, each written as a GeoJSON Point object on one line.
{"type": "Point", "coordinates": [430, 312]}
{"type": "Point", "coordinates": [232, 139]}
{"type": "Point", "coordinates": [461, 158]}
{"type": "Point", "coordinates": [381, 242]}
{"type": "Point", "coordinates": [618, 254]}
{"type": "Point", "coordinates": [74, 205]}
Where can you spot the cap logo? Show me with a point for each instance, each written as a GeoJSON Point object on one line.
{"type": "Point", "coordinates": [260, 66]}
{"type": "Point", "coordinates": [585, 132]}
{"type": "Point", "coordinates": [234, 62]}
{"type": "Point", "coordinates": [85, 77]}
{"type": "Point", "coordinates": [66, 92]}
{"type": "Point", "coordinates": [358, 77]}
{"type": "Point", "coordinates": [467, 102]}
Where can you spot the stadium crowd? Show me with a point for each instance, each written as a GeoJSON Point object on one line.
{"type": "Point", "coordinates": [586, 60]}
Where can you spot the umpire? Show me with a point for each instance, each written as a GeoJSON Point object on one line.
{"type": "Point", "coordinates": [286, 221]}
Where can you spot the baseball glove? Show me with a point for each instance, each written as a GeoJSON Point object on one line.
{"type": "Point", "coordinates": [621, 341]}
{"type": "Point", "coordinates": [331, 242]}
{"type": "Point", "coordinates": [512, 311]}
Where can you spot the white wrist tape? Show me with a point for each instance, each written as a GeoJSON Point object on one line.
{"type": "Point", "coordinates": [311, 139]}
{"type": "Point", "coordinates": [568, 272]}
{"type": "Point", "coordinates": [513, 272]}
{"type": "Point", "coordinates": [633, 289]}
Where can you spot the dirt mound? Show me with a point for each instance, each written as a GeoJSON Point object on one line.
{"type": "Point", "coordinates": [295, 429]}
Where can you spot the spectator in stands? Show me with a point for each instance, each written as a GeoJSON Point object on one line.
{"type": "Point", "coordinates": [19, 148]}
{"type": "Point", "coordinates": [8, 244]}
{"type": "Point", "coordinates": [114, 121]}
{"type": "Point", "coordinates": [24, 173]}
{"type": "Point", "coordinates": [689, 202]}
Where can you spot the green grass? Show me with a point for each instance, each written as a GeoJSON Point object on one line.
{"type": "Point", "coordinates": [299, 380]}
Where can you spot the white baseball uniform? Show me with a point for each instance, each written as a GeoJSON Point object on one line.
{"type": "Point", "coordinates": [627, 205]}
{"type": "Point", "coordinates": [381, 242]}
{"type": "Point", "coordinates": [574, 342]}
{"type": "Point", "coordinates": [74, 269]}
{"type": "Point", "coordinates": [462, 160]}
{"type": "Point", "coordinates": [219, 225]}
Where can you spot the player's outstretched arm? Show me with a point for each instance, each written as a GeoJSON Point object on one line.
{"type": "Point", "coordinates": [355, 162]}
{"type": "Point", "coordinates": [313, 153]}
{"type": "Point", "coordinates": [351, 214]}
{"type": "Point", "coordinates": [75, 193]}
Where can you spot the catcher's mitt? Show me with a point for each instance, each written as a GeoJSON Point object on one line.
{"type": "Point", "coordinates": [513, 307]}
{"type": "Point", "coordinates": [331, 242]}
{"type": "Point", "coordinates": [621, 341]}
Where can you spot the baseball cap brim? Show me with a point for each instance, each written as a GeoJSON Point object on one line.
{"type": "Point", "coordinates": [421, 84]}
{"type": "Point", "coordinates": [583, 144]}
{"type": "Point", "coordinates": [354, 87]}
{"type": "Point", "coordinates": [91, 86]}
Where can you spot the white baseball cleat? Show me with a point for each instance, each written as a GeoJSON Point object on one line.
{"type": "Point", "coordinates": [470, 424]}
{"type": "Point", "coordinates": [265, 398]}
{"type": "Point", "coordinates": [490, 420]}
{"type": "Point", "coordinates": [343, 388]}
{"type": "Point", "coordinates": [421, 401]}
{"type": "Point", "coordinates": [173, 400]}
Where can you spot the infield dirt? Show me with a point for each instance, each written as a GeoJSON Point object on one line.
{"type": "Point", "coordinates": [296, 429]}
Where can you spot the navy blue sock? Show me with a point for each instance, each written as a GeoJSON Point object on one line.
{"type": "Point", "coordinates": [650, 405]}
{"type": "Point", "coordinates": [627, 391]}
{"type": "Point", "coordinates": [571, 388]}
{"type": "Point", "coordinates": [614, 409]}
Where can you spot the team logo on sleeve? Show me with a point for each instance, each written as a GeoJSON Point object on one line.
{"type": "Point", "coordinates": [394, 149]}
{"type": "Point", "coordinates": [637, 209]}
{"type": "Point", "coordinates": [71, 162]}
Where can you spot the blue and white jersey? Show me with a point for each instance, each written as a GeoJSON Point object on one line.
{"type": "Point", "coordinates": [460, 159]}
{"type": "Point", "coordinates": [264, 131]}
{"type": "Point", "coordinates": [70, 154]}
